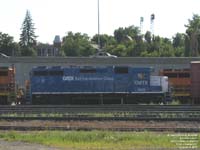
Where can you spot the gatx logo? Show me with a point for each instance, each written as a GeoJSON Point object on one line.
{"type": "Point", "coordinates": [68, 78]}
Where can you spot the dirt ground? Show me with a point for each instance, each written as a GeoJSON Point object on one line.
{"type": "Point", "coordinates": [103, 124]}
{"type": "Point", "coordinates": [5, 145]}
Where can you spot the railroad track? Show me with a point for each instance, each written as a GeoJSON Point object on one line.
{"type": "Point", "coordinates": [101, 112]}
{"type": "Point", "coordinates": [96, 108]}
{"type": "Point", "coordinates": [22, 114]}
{"type": "Point", "coordinates": [86, 118]}
{"type": "Point", "coordinates": [37, 128]}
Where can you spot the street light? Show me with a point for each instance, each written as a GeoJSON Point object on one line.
{"type": "Point", "coordinates": [98, 26]}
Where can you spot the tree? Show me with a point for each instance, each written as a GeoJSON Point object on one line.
{"type": "Point", "coordinates": [178, 40]}
{"type": "Point", "coordinates": [126, 34]}
{"type": "Point", "coordinates": [179, 44]}
{"type": "Point", "coordinates": [28, 51]}
{"type": "Point", "coordinates": [147, 37]}
{"type": "Point", "coordinates": [28, 37]}
{"type": "Point", "coordinates": [105, 40]}
{"type": "Point", "coordinates": [187, 46]}
{"type": "Point", "coordinates": [193, 33]}
{"type": "Point", "coordinates": [7, 45]}
{"type": "Point", "coordinates": [77, 45]}
{"type": "Point", "coordinates": [119, 35]}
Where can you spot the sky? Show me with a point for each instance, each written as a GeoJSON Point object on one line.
{"type": "Point", "coordinates": [58, 17]}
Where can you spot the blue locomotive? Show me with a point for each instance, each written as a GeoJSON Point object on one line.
{"type": "Point", "coordinates": [96, 85]}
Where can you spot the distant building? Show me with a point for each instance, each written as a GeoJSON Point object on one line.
{"type": "Point", "coordinates": [57, 42]}
{"type": "Point", "coordinates": [48, 49]}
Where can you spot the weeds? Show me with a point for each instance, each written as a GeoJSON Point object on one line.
{"type": "Point", "coordinates": [93, 139]}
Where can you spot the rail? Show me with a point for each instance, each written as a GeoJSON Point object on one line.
{"type": "Point", "coordinates": [96, 108]}
{"type": "Point", "coordinates": [102, 112]}
{"type": "Point", "coordinates": [39, 128]}
{"type": "Point", "coordinates": [176, 118]}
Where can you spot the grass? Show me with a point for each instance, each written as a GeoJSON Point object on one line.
{"type": "Point", "coordinates": [94, 139]}
{"type": "Point", "coordinates": [175, 102]}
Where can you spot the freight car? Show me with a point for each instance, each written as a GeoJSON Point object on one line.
{"type": "Point", "coordinates": [195, 81]}
{"type": "Point", "coordinates": [7, 85]}
{"type": "Point", "coordinates": [96, 85]}
{"type": "Point", "coordinates": [180, 83]}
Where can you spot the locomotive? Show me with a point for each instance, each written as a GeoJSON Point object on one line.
{"type": "Point", "coordinates": [96, 85]}
{"type": "Point", "coordinates": [184, 83]}
{"type": "Point", "coordinates": [180, 83]}
{"type": "Point", "coordinates": [7, 85]}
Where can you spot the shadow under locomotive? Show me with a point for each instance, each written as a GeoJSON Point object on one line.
{"type": "Point", "coordinates": [97, 99]}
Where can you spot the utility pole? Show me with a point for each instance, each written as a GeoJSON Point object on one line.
{"type": "Point", "coordinates": [141, 24]}
{"type": "Point", "coordinates": [152, 24]}
{"type": "Point", "coordinates": [99, 42]}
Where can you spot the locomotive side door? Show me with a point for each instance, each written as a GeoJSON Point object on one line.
{"type": "Point", "coordinates": [121, 79]}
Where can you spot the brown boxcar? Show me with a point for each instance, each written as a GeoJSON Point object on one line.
{"type": "Point", "coordinates": [179, 80]}
{"type": "Point", "coordinates": [7, 85]}
{"type": "Point", "coordinates": [195, 81]}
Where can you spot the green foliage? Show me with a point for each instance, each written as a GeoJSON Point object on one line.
{"type": "Point", "coordinates": [179, 52]}
{"type": "Point", "coordinates": [126, 34]}
{"type": "Point", "coordinates": [175, 102]}
{"type": "Point", "coordinates": [178, 40]}
{"type": "Point", "coordinates": [94, 139]}
{"type": "Point", "coordinates": [105, 40]}
{"type": "Point", "coordinates": [28, 37]}
{"type": "Point", "coordinates": [7, 45]}
{"type": "Point", "coordinates": [28, 51]}
{"type": "Point", "coordinates": [77, 45]}
{"type": "Point", "coordinates": [187, 46]}
{"type": "Point", "coordinates": [193, 36]}
{"type": "Point", "coordinates": [119, 50]}
{"type": "Point", "coordinates": [129, 42]}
